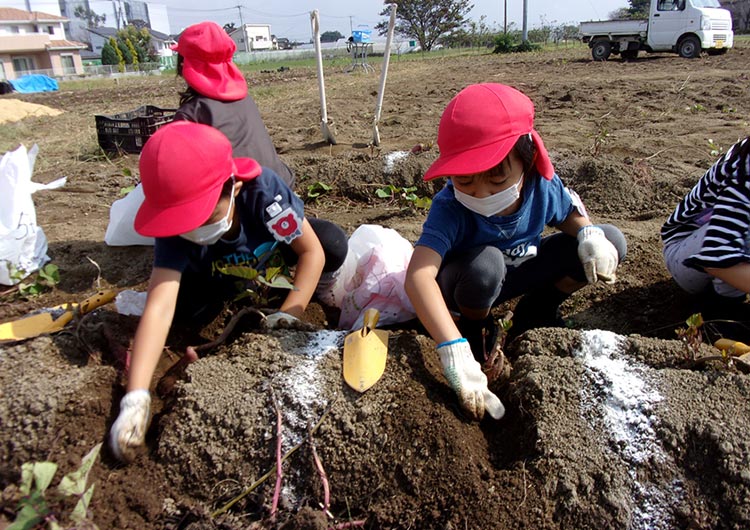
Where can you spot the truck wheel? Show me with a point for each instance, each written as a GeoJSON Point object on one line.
{"type": "Point", "coordinates": [689, 47]}
{"type": "Point", "coordinates": [629, 55]}
{"type": "Point", "coordinates": [600, 50]}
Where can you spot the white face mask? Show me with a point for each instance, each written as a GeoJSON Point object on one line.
{"type": "Point", "coordinates": [210, 234]}
{"type": "Point", "coordinates": [491, 205]}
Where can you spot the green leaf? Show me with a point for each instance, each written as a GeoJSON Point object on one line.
{"type": "Point", "coordinates": [126, 190]}
{"type": "Point", "coordinates": [282, 282]}
{"type": "Point", "coordinates": [126, 171]}
{"type": "Point", "coordinates": [50, 273]}
{"type": "Point", "coordinates": [26, 519]}
{"type": "Point", "coordinates": [43, 474]}
{"type": "Point", "coordinates": [27, 478]}
{"type": "Point", "coordinates": [74, 483]}
{"type": "Point", "coordinates": [383, 193]}
{"type": "Point", "coordinates": [81, 510]}
{"type": "Point", "coordinates": [247, 273]}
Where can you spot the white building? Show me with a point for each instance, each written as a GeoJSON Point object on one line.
{"type": "Point", "coordinates": [253, 37]}
{"type": "Point", "coordinates": [35, 42]}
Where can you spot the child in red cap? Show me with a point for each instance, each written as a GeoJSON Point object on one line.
{"type": "Point", "coordinates": [217, 95]}
{"type": "Point", "coordinates": [208, 210]}
{"type": "Point", "coordinates": [482, 241]}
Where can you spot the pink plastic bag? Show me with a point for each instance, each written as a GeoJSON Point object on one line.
{"type": "Point", "coordinates": [372, 276]}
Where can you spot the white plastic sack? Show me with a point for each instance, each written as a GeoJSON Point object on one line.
{"type": "Point", "coordinates": [120, 230]}
{"type": "Point", "coordinates": [23, 245]}
{"type": "Point", "coordinates": [372, 276]}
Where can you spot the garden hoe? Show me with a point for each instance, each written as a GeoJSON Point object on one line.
{"type": "Point", "coordinates": [53, 319]}
{"type": "Point", "coordinates": [327, 134]}
{"type": "Point", "coordinates": [383, 76]}
{"type": "Point", "coordinates": [365, 351]}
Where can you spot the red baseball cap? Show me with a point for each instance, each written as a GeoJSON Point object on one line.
{"type": "Point", "coordinates": [480, 126]}
{"type": "Point", "coordinates": [207, 65]}
{"type": "Point", "coordinates": [184, 166]}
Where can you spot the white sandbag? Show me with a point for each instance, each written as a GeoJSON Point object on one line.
{"type": "Point", "coordinates": [120, 230]}
{"type": "Point", "coordinates": [23, 245]}
{"type": "Point", "coordinates": [372, 276]}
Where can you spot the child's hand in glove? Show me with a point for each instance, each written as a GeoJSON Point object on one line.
{"type": "Point", "coordinates": [465, 376]}
{"type": "Point", "coordinates": [129, 430]}
{"type": "Point", "coordinates": [597, 254]}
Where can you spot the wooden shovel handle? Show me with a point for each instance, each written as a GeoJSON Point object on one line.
{"type": "Point", "coordinates": [97, 300]}
{"type": "Point", "coordinates": [370, 319]}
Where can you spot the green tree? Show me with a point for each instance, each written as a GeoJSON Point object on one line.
{"type": "Point", "coordinates": [330, 36]}
{"type": "Point", "coordinates": [109, 55]}
{"type": "Point", "coordinates": [127, 57]}
{"type": "Point", "coordinates": [639, 8]}
{"type": "Point", "coordinates": [140, 47]}
{"type": "Point", "coordinates": [92, 19]}
{"type": "Point", "coordinates": [427, 20]}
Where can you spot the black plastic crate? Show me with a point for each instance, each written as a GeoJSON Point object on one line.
{"type": "Point", "coordinates": [130, 130]}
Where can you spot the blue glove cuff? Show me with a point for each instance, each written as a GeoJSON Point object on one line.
{"type": "Point", "coordinates": [450, 342]}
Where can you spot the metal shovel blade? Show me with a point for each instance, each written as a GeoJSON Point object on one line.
{"type": "Point", "coordinates": [52, 319]}
{"type": "Point", "coordinates": [365, 353]}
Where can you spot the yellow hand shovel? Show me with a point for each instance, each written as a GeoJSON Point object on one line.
{"type": "Point", "coordinates": [53, 319]}
{"type": "Point", "coordinates": [365, 352]}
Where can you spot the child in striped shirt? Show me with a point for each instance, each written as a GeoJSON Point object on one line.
{"type": "Point", "coordinates": [707, 237]}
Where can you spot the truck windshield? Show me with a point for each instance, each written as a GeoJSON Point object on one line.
{"type": "Point", "coordinates": [705, 3]}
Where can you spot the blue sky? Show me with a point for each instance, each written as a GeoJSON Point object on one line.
{"type": "Point", "coordinates": [290, 18]}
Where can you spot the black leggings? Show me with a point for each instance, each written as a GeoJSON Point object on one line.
{"type": "Point", "coordinates": [480, 279]}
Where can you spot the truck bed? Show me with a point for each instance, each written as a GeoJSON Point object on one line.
{"type": "Point", "coordinates": [613, 27]}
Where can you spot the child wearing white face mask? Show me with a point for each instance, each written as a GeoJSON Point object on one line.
{"type": "Point", "coordinates": [208, 210]}
{"type": "Point", "coordinates": [482, 241]}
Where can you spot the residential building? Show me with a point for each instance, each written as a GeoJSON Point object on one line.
{"type": "Point", "coordinates": [252, 37]}
{"type": "Point", "coordinates": [35, 42]}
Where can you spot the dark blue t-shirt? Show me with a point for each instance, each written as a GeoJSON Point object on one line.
{"type": "Point", "coordinates": [270, 214]}
{"type": "Point", "coordinates": [452, 228]}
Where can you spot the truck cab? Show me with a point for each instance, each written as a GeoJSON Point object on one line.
{"type": "Point", "coordinates": [688, 26]}
{"type": "Point", "coordinates": [683, 26]}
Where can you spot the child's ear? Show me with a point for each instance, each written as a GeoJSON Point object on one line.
{"type": "Point", "coordinates": [237, 187]}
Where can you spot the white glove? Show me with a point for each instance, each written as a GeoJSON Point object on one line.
{"type": "Point", "coordinates": [466, 378]}
{"type": "Point", "coordinates": [597, 254]}
{"type": "Point", "coordinates": [129, 430]}
{"type": "Point", "coordinates": [279, 319]}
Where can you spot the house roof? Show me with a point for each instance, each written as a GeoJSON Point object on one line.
{"type": "Point", "coordinates": [10, 14]}
{"type": "Point", "coordinates": [65, 45]}
{"type": "Point", "coordinates": [112, 32]}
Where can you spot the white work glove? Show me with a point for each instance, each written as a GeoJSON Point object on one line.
{"type": "Point", "coordinates": [279, 319]}
{"type": "Point", "coordinates": [597, 254]}
{"type": "Point", "coordinates": [129, 430]}
{"type": "Point", "coordinates": [466, 378]}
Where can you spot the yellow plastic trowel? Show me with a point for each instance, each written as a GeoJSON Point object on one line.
{"type": "Point", "coordinates": [52, 319]}
{"type": "Point", "coordinates": [365, 352]}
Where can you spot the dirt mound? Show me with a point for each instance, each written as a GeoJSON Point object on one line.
{"type": "Point", "coordinates": [15, 110]}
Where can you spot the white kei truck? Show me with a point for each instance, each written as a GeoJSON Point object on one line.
{"type": "Point", "coordinates": [686, 27]}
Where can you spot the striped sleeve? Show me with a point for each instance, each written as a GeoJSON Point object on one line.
{"type": "Point", "coordinates": [728, 182]}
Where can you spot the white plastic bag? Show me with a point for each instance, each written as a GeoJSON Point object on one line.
{"type": "Point", "coordinates": [23, 245]}
{"type": "Point", "coordinates": [372, 276]}
{"type": "Point", "coordinates": [120, 230]}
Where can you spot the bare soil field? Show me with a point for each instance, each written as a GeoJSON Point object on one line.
{"type": "Point", "coordinates": [615, 428]}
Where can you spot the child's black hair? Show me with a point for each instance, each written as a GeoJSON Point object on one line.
{"type": "Point", "coordinates": [189, 93]}
{"type": "Point", "coordinates": [526, 149]}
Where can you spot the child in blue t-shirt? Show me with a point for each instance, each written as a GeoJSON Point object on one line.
{"type": "Point", "coordinates": [482, 241]}
{"type": "Point", "coordinates": [208, 210]}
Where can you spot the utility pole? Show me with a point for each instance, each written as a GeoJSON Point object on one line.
{"type": "Point", "coordinates": [351, 27]}
{"type": "Point", "coordinates": [242, 26]}
{"type": "Point", "coordinates": [525, 36]}
{"type": "Point", "coordinates": [505, 17]}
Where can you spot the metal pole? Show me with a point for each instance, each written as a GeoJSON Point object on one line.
{"type": "Point", "coordinates": [244, 31]}
{"type": "Point", "coordinates": [525, 36]}
{"type": "Point", "coordinates": [505, 17]}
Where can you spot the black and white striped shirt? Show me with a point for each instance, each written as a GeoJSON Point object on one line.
{"type": "Point", "coordinates": [721, 198]}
